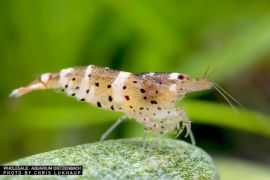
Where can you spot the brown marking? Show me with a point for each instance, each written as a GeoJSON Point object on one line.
{"type": "Point", "coordinates": [142, 90]}
{"type": "Point", "coordinates": [112, 107]}
{"type": "Point", "coordinates": [127, 98]}
{"type": "Point", "coordinates": [110, 98]}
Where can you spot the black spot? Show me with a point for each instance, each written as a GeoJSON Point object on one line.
{"type": "Point", "coordinates": [135, 82]}
{"type": "Point", "coordinates": [124, 87]}
{"type": "Point", "coordinates": [82, 99]}
{"type": "Point", "coordinates": [62, 90]}
{"type": "Point", "coordinates": [110, 98]}
{"type": "Point", "coordinates": [153, 102]}
{"type": "Point", "coordinates": [97, 84]}
{"type": "Point", "coordinates": [120, 108]}
{"type": "Point", "coordinates": [142, 90]}
{"type": "Point", "coordinates": [73, 79]}
{"type": "Point", "coordinates": [131, 106]}
{"type": "Point", "coordinates": [134, 110]}
{"type": "Point", "coordinates": [112, 107]}
{"type": "Point", "coordinates": [159, 108]}
{"type": "Point", "coordinates": [156, 92]}
{"type": "Point", "coordinates": [161, 132]}
{"type": "Point", "coordinates": [141, 108]}
{"type": "Point", "coordinates": [66, 86]}
{"type": "Point", "coordinates": [73, 94]}
{"type": "Point", "coordinates": [155, 125]}
{"type": "Point", "coordinates": [144, 97]}
{"type": "Point", "coordinates": [154, 114]}
{"type": "Point", "coordinates": [89, 75]}
{"type": "Point", "coordinates": [169, 112]}
{"type": "Point", "coordinates": [127, 98]}
{"type": "Point", "coordinates": [109, 86]}
{"type": "Point", "coordinates": [77, 87]}
{"type": "Point", "coordinates": [98, 104]}
{"type": "Point", "coordinates": [87, 91]}
{"type": "Point", "coordinates": [147, 109]}
{"type": "Point", "coordinates": [162, 127]}
{"type": "Point", "coordinates": [180, 76]}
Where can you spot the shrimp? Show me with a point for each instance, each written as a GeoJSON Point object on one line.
{"type": "Point", "coordinates": [149, 98]}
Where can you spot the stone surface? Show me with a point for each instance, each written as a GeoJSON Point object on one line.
{"type": "Point", "coordinates": [162, 158]}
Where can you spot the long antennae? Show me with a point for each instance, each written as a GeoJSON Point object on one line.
{"type": "Point", "coordinates": [208, 67]}
{"type": "Point", "coordinates": [206, 71]}
{"type": "Point", "coordinates": [219, 64]}
{"type": "Point", "coordinates": [225, 97]}
{"type": "Point", "coordinates": [235, 100]}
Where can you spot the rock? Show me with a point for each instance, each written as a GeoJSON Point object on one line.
{"type": "Point", "coordinates": [162, 158]}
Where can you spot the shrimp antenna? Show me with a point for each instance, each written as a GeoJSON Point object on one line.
{"type": "Point", "coordinates": [225, 97]}
{"type": "Point", "coordinates": [206, 72]}
{"type": "Point", "coordinates": [219, 64]}
{"type": "Point", "coordinates": [232, 98]}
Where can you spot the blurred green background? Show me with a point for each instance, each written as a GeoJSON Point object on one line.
{"type": "Point", "coordinates": [139, 36]}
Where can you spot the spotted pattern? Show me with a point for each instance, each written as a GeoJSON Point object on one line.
{"type": "Point", "coordinates": [150, 98]}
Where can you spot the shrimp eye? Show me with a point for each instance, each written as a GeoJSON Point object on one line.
{"type": "Point", "coordinates": [181, 76]}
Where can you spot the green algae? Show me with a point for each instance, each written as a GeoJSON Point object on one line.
{"type": "Point", "coordinates": [162, 158]}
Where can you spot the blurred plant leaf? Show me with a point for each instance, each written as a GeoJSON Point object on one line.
{"type": "Point", "coordinates": [80, 115]}
{"type": "Point", "coordinates": [238, 169]}
{"type": "Point", "coordinates": [223, 115]}
{"type": "Point", "coordinates": [241, 51]}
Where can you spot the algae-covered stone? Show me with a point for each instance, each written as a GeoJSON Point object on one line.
{"type": "Point", "coordinates": [162, 158]}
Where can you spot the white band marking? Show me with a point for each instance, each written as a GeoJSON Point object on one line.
{"type": "Point", "coordinates": [173, 87]}
{"type": "Point", "coordinates": [45, 77]}
{"type": "Point", "coordinates": [84, 83]}
{"type": "Point", "coordinates": [117, 86]}
{"type": "Point", "coordinates": [91, 95]}
{"type": "Point", "coordinates": [148, 74]}
{"type": "Point", "coordinates": [173, 76]}
{"type": "Point", "coordinates": [63, 73]}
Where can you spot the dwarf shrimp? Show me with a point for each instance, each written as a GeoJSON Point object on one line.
{"type": "Point", "coordinates": [149, 98]}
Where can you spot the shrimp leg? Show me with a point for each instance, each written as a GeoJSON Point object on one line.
{"type": "Point", "coordinates": [121, 119]}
